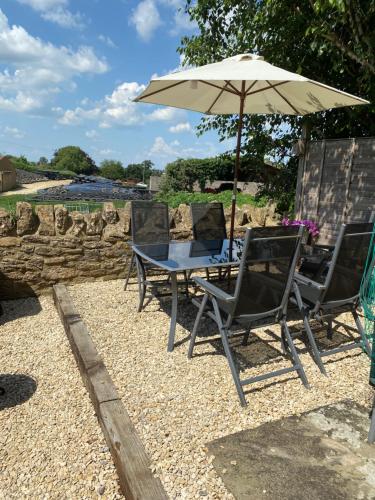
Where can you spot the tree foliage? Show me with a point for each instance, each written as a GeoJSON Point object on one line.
{"type": "Point", "coordinates": [331, 41]}
{"type": "Point", "coordinates": [74, 159]}
{"type": "Point", "coordinates": [182, 174]}
{"type": "Point", "coordinates": [141, 171]}
{"type": "Point", "coordinates": [112, 169]}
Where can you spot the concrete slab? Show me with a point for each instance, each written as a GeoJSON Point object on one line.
{"type": "Point", "coordinates": [321, 455]}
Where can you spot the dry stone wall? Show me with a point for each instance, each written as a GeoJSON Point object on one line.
{"type": "Point", "coordinates": [52, 245]}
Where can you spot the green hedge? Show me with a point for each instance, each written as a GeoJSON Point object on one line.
{"type": "Point", "coordinates": [175, 199]}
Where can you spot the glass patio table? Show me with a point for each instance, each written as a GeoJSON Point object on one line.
{"type": "Point", "coordinates": [178, 257]}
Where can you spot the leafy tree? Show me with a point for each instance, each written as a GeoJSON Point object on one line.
{"type": "Point", "coordinates": [182, 174]}
{"type": "Point", "coordinates": [112, 169]}
{"type": "Point", "coordinates": [73, 158]}
{"type": "Point", "coordinates": [141, 171]}
{"type": "Point", "coordinates": [22, 162]}
{"type": "Point", "coordinates": [332, 41]}
{"type": "Point", "coordinates": [43, 162]}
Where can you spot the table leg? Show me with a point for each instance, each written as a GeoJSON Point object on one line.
{"type": "Point", "coordinates": [172, 327]}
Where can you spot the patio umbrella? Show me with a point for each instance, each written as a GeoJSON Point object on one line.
{"type": "Point", "coordinates": [244, 84]}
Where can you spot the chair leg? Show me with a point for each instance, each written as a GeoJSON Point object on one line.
{"type": "Point", "coordinates": [196, 324]}
{"type": "Point", "coordinates": [329, 329]}
{"type": "Point", "coordinates": [186, 284]}
{"type": "Point", "coordinates": [131, 265]}
{"type": "Point", "coordinates": [246, 336]}
{"type": "Point", "coordinates": [294, 354]}
{"type": "Point", "coordinates": [228, 353]}
{"type": "Point", "coordinates": [371, 434]}
{"type": "Point", "coordinates": [316, 354]}
{"type": "Point", "coordinates": [362, 333]}
{"type": "Point", "coordinates": [141, 283]}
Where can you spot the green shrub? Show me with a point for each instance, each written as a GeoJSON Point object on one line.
{"type": "Point", "coordinates": [175, 199]}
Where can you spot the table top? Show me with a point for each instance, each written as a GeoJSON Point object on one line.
{"type": "Point", "coordinates": [180, 256]}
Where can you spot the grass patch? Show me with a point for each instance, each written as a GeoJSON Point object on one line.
{"type": "Point", "coordinates": [225, 198]}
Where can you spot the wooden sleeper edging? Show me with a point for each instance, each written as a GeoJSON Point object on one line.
{"type": "Point", "coordinates": [129, 456]}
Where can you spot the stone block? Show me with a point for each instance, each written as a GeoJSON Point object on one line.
{"type": "Point", "coordinates": [62, 219]}
{"type": "Point", "coordinates": [51, 261]}
{"type": "Point", "coordinates": [7, 223]}
{"type": "Point", "coordinates": [94, 223]}
{"type": "Point", "coordinates": [109, 213]}
{"type": "Point", "coordinates": [124, 217]}
{"type": "Point", "coordinates": [26, 220]}
{"type": "Point", "coordinates": [35, 238]}
{"type": "Point", "coordinates": [46, 218]}
{"type": "Point", "coordinates": [10, 241]}
{"type": "Point", "coordinates": [78, 224]}
{"type": "Point", "coordinates": [53, 274]}
{"type": "Point", "coordinates": [47, 251]}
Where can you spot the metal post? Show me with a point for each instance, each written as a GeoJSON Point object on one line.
{"type": "Point", "coordinates": [237, 164]}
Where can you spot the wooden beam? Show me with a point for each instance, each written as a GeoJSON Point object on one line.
{"type": "Point", "coordinates": [128, 453]}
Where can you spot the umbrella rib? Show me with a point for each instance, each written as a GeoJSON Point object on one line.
{"type": "Point", "coordinates": [161, 90]}
{"type": "Point", "coordinates": [216, 99]}
{"type": "Point", "coordinates": [267, 88]}
{"type": "Point", "coordinates": [250, 87]}
{"type": "Point", "coordinates": [286, 100]}
{"type": "Point", "coordinates": [233, 87]}
{"type": "Point", "coordinates": [218, 87]}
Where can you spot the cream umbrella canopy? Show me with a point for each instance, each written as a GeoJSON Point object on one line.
{"type": "Point", "coordinates": [244, 84]}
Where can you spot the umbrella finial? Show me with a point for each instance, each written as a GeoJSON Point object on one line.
{"type": "Point", "coordinates": [245, 57]}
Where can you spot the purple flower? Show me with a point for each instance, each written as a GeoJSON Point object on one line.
{"type": "Point", "coordinates": [311, 226]}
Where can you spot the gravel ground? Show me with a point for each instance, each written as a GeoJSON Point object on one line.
{"type": "Point", "coordinates": [179, 405]}
{"type": "Point", "coordinates": [51, 445]}
{"type": "Point", "coordinates": [35, 186]}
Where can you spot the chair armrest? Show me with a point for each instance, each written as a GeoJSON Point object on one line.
{"type": "Point", "coordinates": [213, 290]}
{"type": "Point", "coordinates": [303, 280]}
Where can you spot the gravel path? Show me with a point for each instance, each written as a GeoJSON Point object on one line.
{"type": "Point", "coordinates": [35, 186]}
{"type": "Point", "coordinates": [178, 405]}
{"type": "Point", "coordinates": [51, 445]}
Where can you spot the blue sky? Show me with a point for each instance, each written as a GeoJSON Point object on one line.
{"type": "Point", "coordinates": [68, 72]}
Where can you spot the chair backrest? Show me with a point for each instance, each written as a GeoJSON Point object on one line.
{"type": "Point", "coordinates": [349, 257]}
{"type": "Point", "coordinates": [149, 222]}
{"type": "Point", "coordinates": [208, 221]}
{"type": "Point", "coordinates": [266, 270]}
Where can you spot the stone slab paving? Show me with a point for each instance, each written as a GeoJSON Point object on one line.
{"type": "Point", "coordinates": [321, 455]}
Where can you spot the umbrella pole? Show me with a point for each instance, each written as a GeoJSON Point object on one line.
{"type": "Point", "coordinates": [237, 164]}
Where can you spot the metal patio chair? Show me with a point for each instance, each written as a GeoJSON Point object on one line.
{"type": "Point", "coordinates": [338, 291]}
{"type": "Point", "coordinates": [260, 296]}
{"type": "Point", "coordinates": [208, 223]}
{"type": "Point", "coordinates": [149, 224]}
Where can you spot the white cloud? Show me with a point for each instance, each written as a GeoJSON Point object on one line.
{"type": "Point", "coordinates": [162, 150]}
{"type": "Point", "coordinates": [146, 19]}
{"type": "Point", "coordinates": [56, 11]}
{"type": "Point", "coordinates": [91, 134]}
{"type": "Point", "coordinates": [39, 69]}
{"type": "Point", "coordinates": [14, 132]}
{"type": "Point", "coordinates": [180, 127]}
{"type": "Point", "coordinates": [118, 109]}
{"type": "Point", "coordinates": [164, 114]}
{"type": "Point", "coordinates": [107, 41]}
